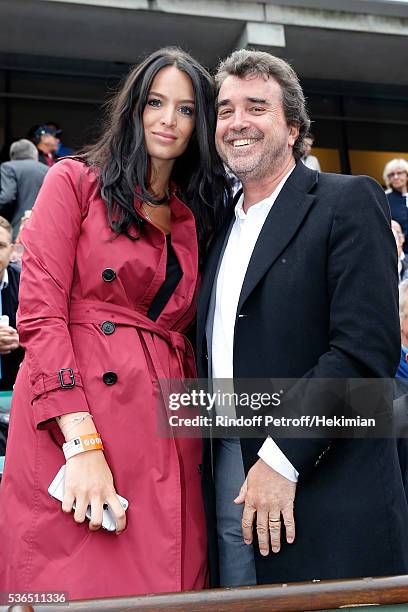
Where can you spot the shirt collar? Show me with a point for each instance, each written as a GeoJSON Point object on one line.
{"type": "Point", "coordinates": [4, 280]}
{"type": "Point", "coordinates": [263, 207]}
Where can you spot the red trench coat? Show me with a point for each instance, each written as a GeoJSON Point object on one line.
{"type": "Point", "coordinates": [65, 297]}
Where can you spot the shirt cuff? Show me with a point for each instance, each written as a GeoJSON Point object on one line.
{"type": "Point", "coordinates": [273, 456]}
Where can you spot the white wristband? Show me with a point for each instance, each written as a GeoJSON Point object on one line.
{"type": "Point", "coordinates": [73, 447]}
{"type": "Point", "coordinates": [82, 444]}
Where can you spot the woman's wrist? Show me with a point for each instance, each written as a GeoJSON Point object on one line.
{"type": "Point", "coordinates": [76, 424]}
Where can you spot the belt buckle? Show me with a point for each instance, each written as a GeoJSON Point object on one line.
{"type": "Point", "coordinates": [65, 385]}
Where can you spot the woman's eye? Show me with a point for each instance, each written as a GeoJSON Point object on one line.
{"type": "Point", "coordinates": [155, 102]}
{"type": "Point", "coordinates": [186, 110]}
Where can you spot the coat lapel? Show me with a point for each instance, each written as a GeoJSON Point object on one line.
{"type": "Point", "coordinates": [284, 219]}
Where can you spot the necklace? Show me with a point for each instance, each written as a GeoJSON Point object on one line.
{"type": "Point", "coordinates": [146, 213]}
{"type": "Point", "coordinates": [163, 202]}
{"type": "Point", "coordinates": [153, 206]}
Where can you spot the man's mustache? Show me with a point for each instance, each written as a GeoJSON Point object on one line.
{"type": "Point", "coordinates": [250, 133]}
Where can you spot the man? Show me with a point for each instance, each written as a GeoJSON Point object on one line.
{"type": "Point", "coordinates": [399, 241]}
{"type": "Point", "coordinates": [20, 181]}
{"type": "Point", "coordinates": [401, 387]}
{"type": "Point", "coordinates": [10, 351]}
{"type": "Point", "coordinates": [395, 177]}
{"type": "Point", "coordinates": [62, 150]}
{"type": "Point", "coordinates": [11, 354]}
{"type": "Point", "coordinates": [402, 371]}
{"type": "Point", "coordinates": [45, 138]}
{"type": "Point", "coordinates": [308, 159]}
{"type": "Point", "coordinates": [289, 292]}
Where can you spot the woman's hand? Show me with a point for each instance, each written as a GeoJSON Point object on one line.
{"type": "Point", "coordinates": [89, 481]}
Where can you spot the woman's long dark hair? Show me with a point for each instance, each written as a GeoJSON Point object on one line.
{"type": "Point", "coordinates": [122, 160]}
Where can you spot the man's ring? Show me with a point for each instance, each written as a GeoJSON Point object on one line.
{"type": "Point", "coordinates": [277, 520]}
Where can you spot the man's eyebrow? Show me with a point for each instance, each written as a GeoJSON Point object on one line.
{"type": "Point", "coordinates": [225, 102]}
{"type": "Point", "coordinates": [259, 100]}
{"type": "Point", "coordinates": [159, 95]}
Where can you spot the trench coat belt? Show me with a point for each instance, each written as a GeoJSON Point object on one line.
{"type": "Point", "coordinates": [91, 312]}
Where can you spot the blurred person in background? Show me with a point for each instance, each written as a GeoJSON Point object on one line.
{"type": "Point", "coordinates": [400, 415]}
{"type": "Point", "coordinates": [10, 350]}
{"type": "Point", "coordinates": [62, 150]}
{"type": "Point", "coordinates": [395, 177]}
{"type": "Point", "coordinates": [402, 371]}
{"type": "Point", "coordinates": [46, 140]}
{"type": "Point", "coordinates": [11, 353]}
{"type": "Point", "coordinates": [308, 159]}
{"type": "Point", "coordinates": [402, 260]}
{"type": "Point", "coordinates": [20, 181]}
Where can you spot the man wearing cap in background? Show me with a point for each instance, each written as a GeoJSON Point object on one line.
{"type": "Point", "coordinates": [62, 150]}
{"type": "Point", "coordinates": [45, 138]}
{"type": "Point", "coordinates": [20, 181]}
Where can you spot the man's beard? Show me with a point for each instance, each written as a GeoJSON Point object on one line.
{"type": "Point", "coordinates": [262, 166]}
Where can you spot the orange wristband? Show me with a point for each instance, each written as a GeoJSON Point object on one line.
{"type": "Point", "coordinates": [81, 444]}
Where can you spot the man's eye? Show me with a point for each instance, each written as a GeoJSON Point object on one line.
{"type": "Point", "coordinates": [187, 110]}
{"type": "Point", "coordinates": [224, 112]}
{"type": "Point", "coordinates": [257, 109]}
{"type": "Point", "coordinates": [155, 102]}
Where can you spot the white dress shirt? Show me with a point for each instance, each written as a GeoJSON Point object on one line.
{"type": "Point", "coordinates": [241, 242]}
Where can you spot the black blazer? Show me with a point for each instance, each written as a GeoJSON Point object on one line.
{"type": "Point", "coordinates": [316, 305]}
{"type": "Point", "coordinates": [9, 297]}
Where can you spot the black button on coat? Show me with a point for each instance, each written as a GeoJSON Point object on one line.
{"type": "Point", "coordinates": [108, 275]}
{"type": "Point", "coordinates": [108, 327]}
{"type": "Point", "coordinates": [110, 378]}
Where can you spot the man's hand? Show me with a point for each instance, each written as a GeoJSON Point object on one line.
{"type": "Point", "coordinates": [9, 340]}
{"type": "Point", "coordinates": [268, 495]}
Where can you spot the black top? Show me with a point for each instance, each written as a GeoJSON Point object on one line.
{"type": "Point", "coordinates": [173, 276]}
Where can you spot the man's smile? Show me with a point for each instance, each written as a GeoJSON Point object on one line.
{"type": "Point", "coordinates": [243, 142]}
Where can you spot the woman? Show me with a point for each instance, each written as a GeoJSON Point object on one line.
{"type": "Point", "coordinates": [109, 281]}
{"type": "Point", "coordinates": [396, 179]}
